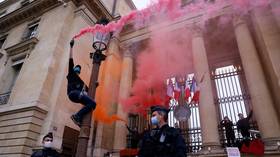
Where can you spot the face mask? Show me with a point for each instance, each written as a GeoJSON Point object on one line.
{"type": "Point", "coordinates": [48, 144]}
{"type": "Point", "coordinates": [154, 120]}
{"type": "Point", "coordinates": [77, 70]}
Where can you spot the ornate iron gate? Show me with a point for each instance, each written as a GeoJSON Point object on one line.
{"type": "Point", "coordinates": [232, 97]}
{"type": "Point", "coordinates": [191, 129]}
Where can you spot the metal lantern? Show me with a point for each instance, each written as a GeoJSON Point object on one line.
{"type": "Point", "coordinates": [100, 41]}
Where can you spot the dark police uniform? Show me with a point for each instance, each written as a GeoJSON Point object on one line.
{"type": "Point", "coordinates": [46, 152]}
{"type": "Point", "coordinates": [163, 142]}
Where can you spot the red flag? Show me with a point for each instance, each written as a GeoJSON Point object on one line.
{"type": "Point", "coordinates": [177, 91]}
{"type": "Point", "coordinates": [255, 147]}
{"type": "Point", "coordinates": [195, 90]}
{"type": "Point", "coordinates": [187, 91]}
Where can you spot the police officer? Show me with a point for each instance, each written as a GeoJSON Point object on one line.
{"type": "Point", "coordinates": [162, 141]}
{"type": "Point", "coordinates": [47, 150]}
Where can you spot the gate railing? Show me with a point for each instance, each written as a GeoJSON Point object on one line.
{"type": "Point", "coordinates": [238, 136]}
{"type": "Point", "coordinates": [232, 98]}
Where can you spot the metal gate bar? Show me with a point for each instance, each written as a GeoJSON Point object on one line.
{"type": "Point", "coordinates": [232, 97]}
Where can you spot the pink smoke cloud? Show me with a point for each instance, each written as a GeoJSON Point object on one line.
{"type": "Point", "coordinates": [168, 54]}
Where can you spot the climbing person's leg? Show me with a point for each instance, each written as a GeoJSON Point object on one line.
{"type": "Point", "coordinates": [75, 97]}
{"type": "Point", "coordinates": [89, 105]}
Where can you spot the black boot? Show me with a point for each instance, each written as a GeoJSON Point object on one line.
{"type": "Point", "coordinates": [76, 120]}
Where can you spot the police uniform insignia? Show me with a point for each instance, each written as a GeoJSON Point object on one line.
{"type": "Point", "coordinates": [162, 138]}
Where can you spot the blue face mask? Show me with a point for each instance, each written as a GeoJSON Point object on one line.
{"type": "Point", "coordinates": [77, 70]}
{"type": "Point", "coordinates": [154, 120]}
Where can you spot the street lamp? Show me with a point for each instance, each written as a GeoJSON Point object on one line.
{"type": "Point", "coordinates": [100, 43]}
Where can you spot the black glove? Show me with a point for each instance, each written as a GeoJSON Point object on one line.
{"type": "Point", "coordinates": [72, 43]}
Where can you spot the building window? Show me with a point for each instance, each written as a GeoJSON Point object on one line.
{"type": "Point", "coordinates": [2, 41]}
{"type": "Point", "coordinates": [31, 30]}
{"type": "Point", "coordinates": [3, 13]}
{"type": "Point", "coordinates": [24, 3]}
{"type": "Point", "coordinates": [16, 56]}
{"type": "Point", "coordinates": [9, 78]}
{"type": "Point", "coordinates": [232, 97]}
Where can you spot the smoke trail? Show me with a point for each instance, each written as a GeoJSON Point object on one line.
{"type": "Point", "coordinates": [167, 54]}
{"type": "Point", "coordinates": [173, 9]}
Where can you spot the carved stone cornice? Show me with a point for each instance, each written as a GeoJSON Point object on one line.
{"type": "Point", "coordinates": [197, 30]}
{"type": "Point", "coordinates": [22, 46]}
{"type": "Point", "coordinates": [238, 20]}
{"type": "Point", "coordinates": [6, 3]}
{"type": "Point", "coordinates": [95, 7]}
{"type": "Point", "coordinates": [32, 10]}
{"type": "Point", "coordinates": [127, 50]}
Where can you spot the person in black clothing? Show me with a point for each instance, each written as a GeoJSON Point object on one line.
{"type": "Point", "coordinates": [47, 150]}
{"type": "Point", "coordinates": [162, 141]}
{"type": "Point", "coordinates": [229, 131]}
{"type": "Point", "coordinates": [243, 125]}
{"type": "Point", "coordinates": [135, 136]}
{"type": "Point", "coordinates": [77, 89]}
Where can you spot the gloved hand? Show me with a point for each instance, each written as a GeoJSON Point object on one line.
{"type": "Point", "coordinates": [72, 43]}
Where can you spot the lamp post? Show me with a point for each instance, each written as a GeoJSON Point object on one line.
{"type": "Point", "coordinates": [100, 42]}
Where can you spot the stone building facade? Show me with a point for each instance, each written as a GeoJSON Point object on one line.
{"type": "Point", "coordinates": [35, 37]}
{"type": "Point", "coordinates": [34, 59]}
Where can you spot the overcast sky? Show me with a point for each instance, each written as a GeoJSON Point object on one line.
{"type": "Point", "coordinates": [140, 4]}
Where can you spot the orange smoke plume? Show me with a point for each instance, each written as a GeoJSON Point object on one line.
{"type": "Point", "coordinates": [101, 115]}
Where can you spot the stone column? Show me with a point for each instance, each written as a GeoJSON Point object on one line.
{"type": "Point", "coordinates": [275, 6]}
{"type": "Point", "coordinates": [109, 78]}
{"type": "Point", "coordinates": [260, 95]}
{"type": "Point", "coordinates": [268, 37]}
{"type": "Point", "coordinates": [207, 110]}
{"type": "Point", "coordinates": [124, 92]}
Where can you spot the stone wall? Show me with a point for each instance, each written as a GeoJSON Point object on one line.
{"type": "Point", "coordinates": [19, 131]}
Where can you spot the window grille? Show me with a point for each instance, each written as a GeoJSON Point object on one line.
{"type": "Point", "coordinates": [31, 30]}
{"type": "Point", "coordinates": [4, 98]}
{"type": "Point", "coordinates": [232, 97]}
{"type": "Point", "coordinates": [191, 129]}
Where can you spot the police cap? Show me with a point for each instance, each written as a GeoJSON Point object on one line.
{"type": "Point", "coordinates": [49, 135]}
{"type": "Point", "coordinates": [159, 108]}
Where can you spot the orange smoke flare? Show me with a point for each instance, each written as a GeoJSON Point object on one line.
{"type": "Point", "coordinates": [101, 115]}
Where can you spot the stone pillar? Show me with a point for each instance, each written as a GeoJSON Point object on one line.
{"type": "Point", "coordinates": [268, 37]}
{"type": "Point", "coordinates": [275, 6]}
{"type": "Point", "coordinates": [107, 94]}
{"type": "Point", "coordinates": [207, 110]}
{"type": "Point", "coordinates": [124, 92]}
{"type": "Point", "coordinates": [260, 95]}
